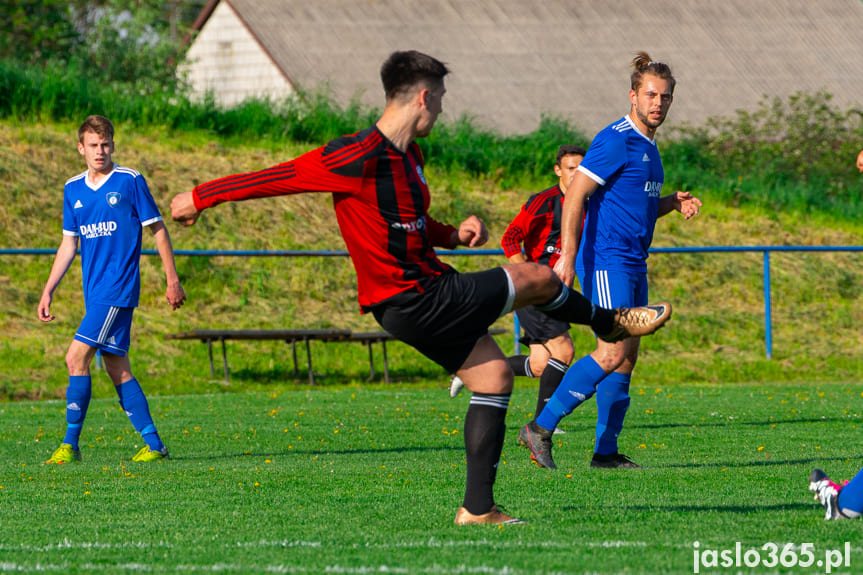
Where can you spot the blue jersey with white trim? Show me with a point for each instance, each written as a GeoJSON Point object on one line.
{"type": "Point", "coordinates": [622, 212]}
{"type": "Point", "coordinates": [108, 218]}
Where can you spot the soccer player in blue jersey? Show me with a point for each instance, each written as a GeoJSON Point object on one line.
{"type": "Point", "coordinates": [840, 500]}
{"type": "Point", "coordinates": [622, 175]}
{"type": "Point", "coordinates": [106, 207]}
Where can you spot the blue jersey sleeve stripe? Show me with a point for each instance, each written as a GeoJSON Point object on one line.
{"type": "Point", "coordinates": [125, 170]}
{"type": "Point", "coordinates": [151, 221]}
{"type": "Point", "coordinates": [591, 175]}
{"type": "Point", "coordinates": [75, 178]}
{"type": "Point", "coordinates": [70, 233]}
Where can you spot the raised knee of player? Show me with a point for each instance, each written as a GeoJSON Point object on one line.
{"type": "Point", "coordinates": [561, 348]}
{"type": "Point", "coordinates": [534, 283]}
{"type": "Point", "coordinates": [492, 377]}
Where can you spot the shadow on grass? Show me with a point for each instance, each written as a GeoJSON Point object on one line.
{"type": "Point", "coordinates": [748, 509]}
{"type": "Point", "coordinates": [736, 422]}
{"type": "Point", "coordinates": [765, 463]}
{"type": "Point", "coordinates": [587, 426]}
{"type": "Point", "coordinates": [418, 449]}
{"type": "Point", "coordinates": [281, 375]}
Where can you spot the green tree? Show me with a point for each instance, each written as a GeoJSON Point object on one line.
{"type": "Point", "coordinates": [38, 31]}
{"type": "Point", "coordinates": [137, 43]}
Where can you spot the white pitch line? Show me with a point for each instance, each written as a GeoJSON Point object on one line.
{"type": "Point", "coordinates": [280, 543]}
{"type": "Point", "coordinates": [69, 544]}
{"type": "Point", "coordinates": [433, 543]}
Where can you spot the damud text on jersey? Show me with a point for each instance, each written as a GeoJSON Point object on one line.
{"type": "Point", "coordinates": [653, 189]}
{"type": "Point", "coordinates": [98, 230]}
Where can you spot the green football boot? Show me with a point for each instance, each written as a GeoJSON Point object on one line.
{"type": "Point", "coordinates": [145, 454]}
{"type": "Point", "coordinates": [65, 454]}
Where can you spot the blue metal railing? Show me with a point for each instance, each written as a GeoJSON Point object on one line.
{"type": "Point", "coordinates": [766, 251]}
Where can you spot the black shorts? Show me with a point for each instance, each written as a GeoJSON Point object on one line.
{"type": "Point", "coordinates": [445, 321]}
{"type": "Point", "coordinates": [538, 327]}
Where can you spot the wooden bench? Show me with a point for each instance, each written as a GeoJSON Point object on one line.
{"type": "Point", "coordinates": [292, 336]}
{"type": "Point", "coordinates": [369, 338]}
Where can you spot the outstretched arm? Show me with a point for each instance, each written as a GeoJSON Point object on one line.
{"type": "Point", "coordinates": [183, 209]}
{"type": "Point", "coordinates": [65, 255]}
{"type": "Point", "coordinates": [311, 172]}
{"type": "Point", "coordinates": [277, 180]}
{"type": "Point", "coordinates": [683, 202]}
{"type": "Point", "coordinates": [174, 292]}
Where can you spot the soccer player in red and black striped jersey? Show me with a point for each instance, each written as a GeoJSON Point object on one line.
{"type": "Point", "coordinates": [536, 227]}
{"type": "Point", "coordinates": [381, 201]}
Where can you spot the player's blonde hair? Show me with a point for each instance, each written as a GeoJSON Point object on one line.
{"type": "Point", "coordinates": [642, 64]}
{"type": "Point", "coordinates": [99, 125]}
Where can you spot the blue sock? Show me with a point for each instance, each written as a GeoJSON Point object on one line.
{"type": "Point", "coordinates": [612, 401]}
{"type": "Point", "coordinates": [577, 386]}
{"type": "Point", "coordinates": [77, 401]}
{"type": "Point", "coordinates": [134, 403]}
{"type": "Point", "coordinates": [851, 497]}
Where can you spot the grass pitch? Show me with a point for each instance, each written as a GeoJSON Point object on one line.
{"type": "Point", "coordinates": [358, 480]}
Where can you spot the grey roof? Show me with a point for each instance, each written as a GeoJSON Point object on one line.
{"type": "Point", "coordinates": [513, 60]}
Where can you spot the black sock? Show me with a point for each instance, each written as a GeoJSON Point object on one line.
{"type": "Point", "coordinates": [484, 429]}
{"type": "Point", "coordinates": [551, 377]}
{"type": "Point", "coordinates": [520, 365]}
{"type": "Point", "coordinates": [572, 307]}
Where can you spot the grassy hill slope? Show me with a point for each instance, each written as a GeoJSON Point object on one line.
{"type": "Point", "coordinates": [717, 334]}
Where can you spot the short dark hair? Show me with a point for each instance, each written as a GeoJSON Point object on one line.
{"type": "Point", "coordinates": [567, 150]}
{"type": "Point", "coordinates": [404, 70]}
{"type": "Point", "coordinates": [100, 125]}
{"type": "Point", "coordinates": [642, 64]}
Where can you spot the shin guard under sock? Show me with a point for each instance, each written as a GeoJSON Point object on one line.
{"type": "Point", "coordinates": [134, 403]}
{"type": "Point", "coordinates": [578, 385]}
{"type": "Point", "coordinates": [484, 430]}
{"type": "Point", "coordinates": [572, 307]}
{"type": "Point", "coordinates": [77, 401]}
{"type": "Point", "coordinates": [520, 365]}
{"type": "Point", "coordinates": [549, 381]}
{"type": "Point", "coordinates": [612, 402]}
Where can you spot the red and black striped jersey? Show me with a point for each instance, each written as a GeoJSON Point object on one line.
{"type": "Point", "coordinates": [381, 201]}
{"type": "Point", "coordinates": [537, 226]}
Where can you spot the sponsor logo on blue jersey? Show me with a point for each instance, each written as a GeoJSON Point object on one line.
{"type": "Point", "coordinates": [653, 189]}
{"type": "Point", "coordinates": [98, 230]}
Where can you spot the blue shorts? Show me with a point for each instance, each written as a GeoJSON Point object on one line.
{"type": "Point", "coordinates": [611, 289]}
{"type": "Point", "coordinates": [107, 328]}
